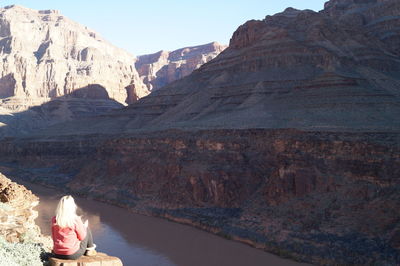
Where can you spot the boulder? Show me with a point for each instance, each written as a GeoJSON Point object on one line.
{"type": "Point", "coordinates": [101, 259]}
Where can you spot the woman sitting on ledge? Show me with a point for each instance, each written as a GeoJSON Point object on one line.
{"type": "Point", "coordinates": [71, 237]}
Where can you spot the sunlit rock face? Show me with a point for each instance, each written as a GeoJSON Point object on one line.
{"type": "Point", "coordinates": [46, 55]}
{"type": "Point", "coordinates": [161, 68]}
{"type": "Point", "coordinates": [53, 69]}
{"type": "Point", "coordinates": [16, 211]}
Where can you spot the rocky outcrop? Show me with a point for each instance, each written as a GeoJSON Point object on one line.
{"type": "Point", "coordinates": [17, 225]}
{"type": "Point", "coordinates": [161, 68]}
{"type": "Point", "coordinates": [16, 212]}
{"type": "Point", "coordinates": [99, 259]}
{"type": "Point", "coordinates": [46, 55]}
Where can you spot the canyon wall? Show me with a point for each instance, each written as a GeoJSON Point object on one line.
{"type": "Point", "coordinates": [288, 140]}
{"type": "Point", "coordinates": [161, 68]}
{"type": "Point", "coordinates": [319, 71]}
{"type": "Point", "coordinates": [320, 197]}
{"type": "Point", "coordinates": [46, 55]}
{"type": "Point", "coordinates": [54, 69]}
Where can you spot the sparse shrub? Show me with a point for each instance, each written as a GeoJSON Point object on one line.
{"type": "Point", "coordinates": [20, 254]}
{"type": "Point", "coordinates": [30, 236]}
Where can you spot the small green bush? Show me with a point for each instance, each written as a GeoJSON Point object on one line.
{"type": "Point", "coordinates": [20, 254]}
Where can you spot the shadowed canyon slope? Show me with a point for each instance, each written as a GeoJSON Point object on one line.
{"type": "Point", "coordinates": [336, 70]}
{"type": "Point", "coordinates": [288, 140]}
{"type": "Point", "coordinates": [161, 68]}
{"type": "Point", "coordinates": [48, 57]}
{"type": "Point", "coordinates": [54, 70]}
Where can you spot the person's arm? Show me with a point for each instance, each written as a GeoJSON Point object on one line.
{"type": "Point", "coordinates": [80, 229]}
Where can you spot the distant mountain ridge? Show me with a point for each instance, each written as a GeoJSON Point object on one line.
{"type": "Point", "coordinates": [161, 68]}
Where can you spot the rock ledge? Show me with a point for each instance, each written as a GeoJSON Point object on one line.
{"type": "Point", "coordinates": [101, 259]}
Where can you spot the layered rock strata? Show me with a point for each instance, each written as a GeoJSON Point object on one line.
{"type": "Point", "coordinates": [54, 69]}
{"type": "Point", "coordinates": [161, 68]}
{"type": "Point", "coordinates": [325, 198]}
{"type": "Point", "coordinates": [328, 70]}
{"type": "Point", "coordinates": [288, 140]}
{"type": "Point", "coordinates": [46, 55]}
{"type": "Point", "coordinates": [17, 217]}
{"type": "Point", "coordinates": [17, 121]}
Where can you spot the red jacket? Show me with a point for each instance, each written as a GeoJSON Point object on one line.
{"type": "Point", "coordinates": [66, 240]}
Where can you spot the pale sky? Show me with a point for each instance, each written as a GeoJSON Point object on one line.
{"type": "Point", "coordinates": [146, 26]}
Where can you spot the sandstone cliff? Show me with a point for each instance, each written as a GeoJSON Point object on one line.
{"type": "Point", "coordinates": [161, 68]}
{"type": "Point", "coordinates": [17, 217]}
{"type": "Point", "coordinates": [46, 55]}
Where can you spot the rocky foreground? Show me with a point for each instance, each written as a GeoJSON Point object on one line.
{"type": "Point", "coordinates": [21, 242]}
{"type": "Point", "coordinates": [25, 245]}
{"type": "Point", "coordinates": [16, 211]}
{"type": "Point", "coordinates": [288, 140]}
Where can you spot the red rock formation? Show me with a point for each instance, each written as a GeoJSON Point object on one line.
{"type": "Point", "coordinates": [280, 190]}
{"type": "Point", "coordinates": [296, 69]}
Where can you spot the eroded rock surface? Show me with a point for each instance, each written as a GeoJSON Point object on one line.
{"type": "Point", "coordinates": [328, 70]}
{"type": "Point", "coordinates": [53, 69]}
{"type": "Point", "coordinates": [161, 68]}
{"type": "Point", "coordinates": [46, 55]}
{"type": "Point", "coordinates": [295, 193]}
{"type": "Point", "coordinates": [288, 140]}
{"type": "Point", "coordinates": [16, 212]}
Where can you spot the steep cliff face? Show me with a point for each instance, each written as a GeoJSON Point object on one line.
{"type": "Point", "coordinates": [161, 68]}
{"type": "Point", "coordinates": [46, 55]}
{"type": "Point", "coordinates": [325, 198]}
{"type": "Point", "coordinates": [297, 69]}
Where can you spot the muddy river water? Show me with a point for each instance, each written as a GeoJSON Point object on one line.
{"type": "Point", "coordinates": [148, 241]}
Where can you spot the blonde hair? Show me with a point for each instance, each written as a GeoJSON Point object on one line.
{"type": "Point", "coordinates": [66, 212]}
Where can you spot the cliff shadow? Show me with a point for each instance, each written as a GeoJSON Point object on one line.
{"type": "Point", "coordinates": [7, 83]}
{"type": "Point", "coordinates": [91, 100]}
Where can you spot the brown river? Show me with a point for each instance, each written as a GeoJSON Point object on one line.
{"type": "Point", "coordinates": [149, 241]}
